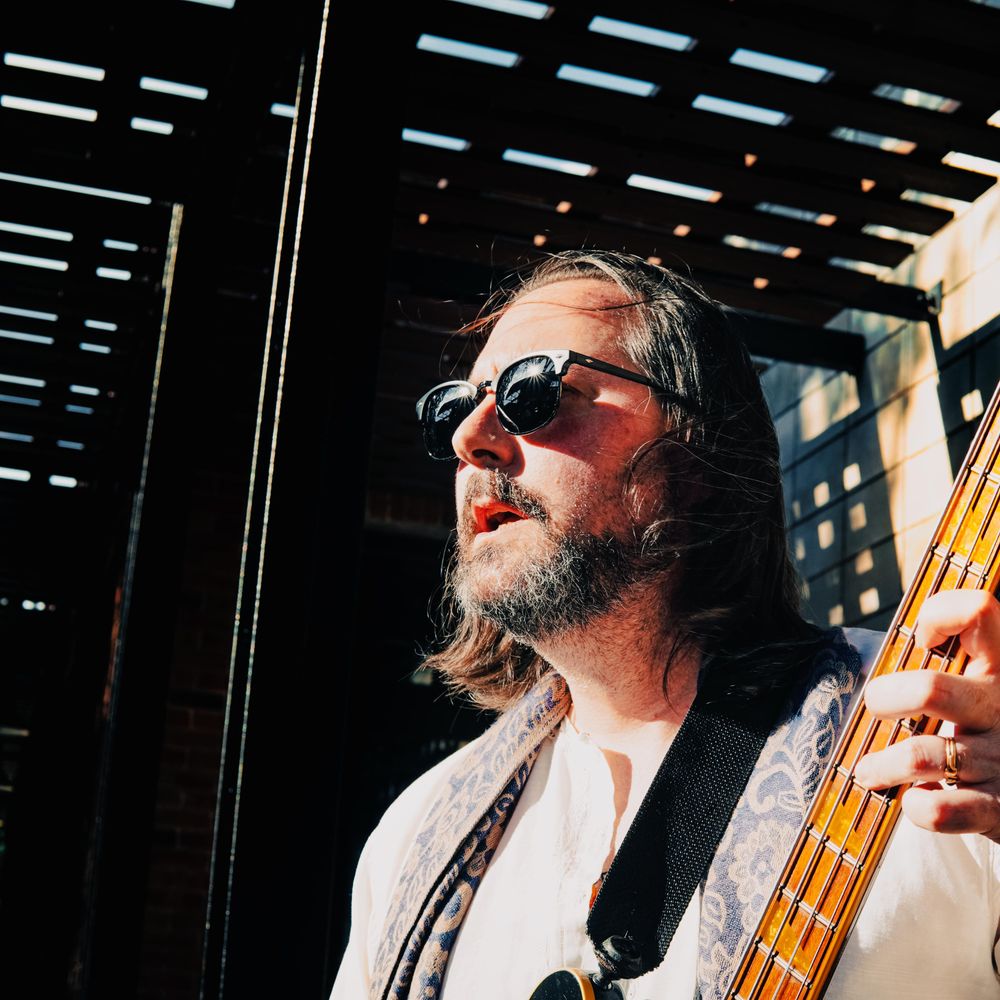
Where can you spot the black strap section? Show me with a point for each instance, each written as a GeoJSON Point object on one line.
{"type": "Point", "coordinates": [668, 849]}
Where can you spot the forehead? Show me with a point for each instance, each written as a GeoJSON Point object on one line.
{"type": "Point", "coordinates": [577, 314]}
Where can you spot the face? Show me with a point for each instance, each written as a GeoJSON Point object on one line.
{"type": "Point", "coordinates": [545, 540]}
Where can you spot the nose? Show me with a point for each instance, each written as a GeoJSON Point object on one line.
{"type": "Point", "coordinates": [481, 441]}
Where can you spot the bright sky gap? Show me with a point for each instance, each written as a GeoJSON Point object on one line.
{"type": "Point", "coordinates": [433, 139]}
{"type": "Point", "coordinates": [467, 50]}
{"type": "Point", "coordinates": [522, 8]}
{"type": "Point", "coordinates": [47, 263]}
{"type": "Point", "coordinates": [737, 109]}
{"type": "Point", "coordinates": [549, 162]}
{"type": "Point", "coordinates": [188, 90]}
{"type": "Point", "coordinates": [138, 199]}
{"type": "Point", "coordinates": [152, 125]}
{"type": "Point", "coordinates": [29, 313]}
{"type": "Point", "coordinates": [43, 65]}
{"type": "Point", "coordinates": [792, 68]}
{"type": "Point", "coordinates": [610, 81]}
{"type": "Point", "coordinates": [15, 103]}
{"type": "Point", "coordinates": [640, 33]}
{"type": "Point", "coordinates": [39, 231]}
{"type": "Point", "coordinates": [673, 187]}
{"type": "Point", "coordinates": [28, 338]}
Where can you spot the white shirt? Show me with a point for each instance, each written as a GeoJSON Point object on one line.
{"type": "Point", "coordinates": [926, 931]}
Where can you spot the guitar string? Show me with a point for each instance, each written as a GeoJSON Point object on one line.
{"type": "Point", "coordinates": [822, 840]}
{"type": "Point", "coordinates": [969, 507]}
{"type": "Point", "coordinates": [947, 659]}
{"type": "Point", "coordinates": [819, 848]}
{"type": "Point", "coordinates": [964, 571]}
{"type": "Point", "coordinates": [831, 911]}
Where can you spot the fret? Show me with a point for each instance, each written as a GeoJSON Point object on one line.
{"type": "Point", "coordinates": [976, 500]}
{"type": "Point", "coordinates": [768, 975]}
{"type": "Point", "coordinates": [987, 447]}
{"type": "Point", "coordinates": [973, 541]}
{"type": "Point", "coordinates": [990, 560]}
{"type": "Point", "coordinates": [868, 736]}
{"type": "Point", "coordinates": [930, 571]}
{"type": "Point", "coordinates": [963, 563]}
{"type": "Point", "coordinates": [962, 531]}
{"type": "Point", "coordinates": [843, 771]}
{"type": "Point", "coordinates": [914, 726]}
{"type": "Point", "coordinates": [898, 655]}
{"type": "Point", "coordinates": [801, 923]}
{"type": "Point", "coordinates": [811, 900]}
{"type": "Point", "coordinates": [800, 904]}
{"type": "Point", "coordinates": [821, 870]}
{"type": "Point", "coordinates": [846, 813]}
{"type": "Point", "coordinates": [847, 828]}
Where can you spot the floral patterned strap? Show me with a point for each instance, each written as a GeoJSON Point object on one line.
{"type": "Point", "coordinates": [456, 841]}
{"type": "Point", "coordinates": [465, 824]}
{"type": "Point", "coordinates": [770, 812]}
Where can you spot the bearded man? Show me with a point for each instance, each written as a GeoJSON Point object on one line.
{"type": "Point", "coordinates": [621, 567]}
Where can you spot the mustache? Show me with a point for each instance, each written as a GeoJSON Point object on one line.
{"type": "Point", "coordinates": [500, 487]}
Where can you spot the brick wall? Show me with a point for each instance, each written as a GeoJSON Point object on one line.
{"type": "Point", "coordinates": [177, 890]}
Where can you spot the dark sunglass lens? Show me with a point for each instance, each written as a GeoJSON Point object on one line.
{"type": "Point", "coordinates": [528, 394]}
{"type": "Point", "coordinates": [443, 411]}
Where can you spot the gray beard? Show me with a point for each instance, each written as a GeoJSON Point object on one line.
{"type": "Point", "coordinates": [583, 579]}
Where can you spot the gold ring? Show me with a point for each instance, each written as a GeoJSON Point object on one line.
{"type": "Point", "coordinates": [950, 761]}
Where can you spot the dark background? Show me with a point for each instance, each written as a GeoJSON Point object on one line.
{"type": "Point", "coordinates": [213, 613]}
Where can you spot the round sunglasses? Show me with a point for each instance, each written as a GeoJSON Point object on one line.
{"type": "Point", "coordinates": [528, 392]}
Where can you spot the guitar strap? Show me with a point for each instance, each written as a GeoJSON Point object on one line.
{"type": "Point", "coordinates": [451, 852]}
{"type": "Point", "coordinates": [669, 847]}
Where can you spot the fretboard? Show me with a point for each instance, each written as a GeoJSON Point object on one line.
{"type": "Point", "coordinates": [847, 828]}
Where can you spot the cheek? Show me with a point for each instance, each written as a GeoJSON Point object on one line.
{"type": "Point", "coordinates": [579, 494]}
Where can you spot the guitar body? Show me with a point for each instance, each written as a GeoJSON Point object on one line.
{"type": "Point", "coordinates": [574, 984]}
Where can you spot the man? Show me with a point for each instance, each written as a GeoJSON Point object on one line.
{"type": "Point", "coordinates": [621, 553]}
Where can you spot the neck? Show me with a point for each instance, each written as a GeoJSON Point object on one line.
{"type": "Point", "coordinates": [614, 668]}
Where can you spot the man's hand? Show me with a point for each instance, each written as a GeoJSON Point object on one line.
{"type": "Point", "coordinates": [970, 701]}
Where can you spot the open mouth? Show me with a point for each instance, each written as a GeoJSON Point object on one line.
{"type": "Point", "coordinates": [492, 514]}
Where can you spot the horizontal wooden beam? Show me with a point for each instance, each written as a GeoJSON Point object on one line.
{"type": "Point", "coordinates": [544, 45]}
{"type": "Point", "coordinates": [544, 133]}
{"type": "Point", "coordinates": [598, 197]}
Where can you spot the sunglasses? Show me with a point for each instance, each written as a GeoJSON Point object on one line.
{"type": "Point", "coordinates": [528, 392]}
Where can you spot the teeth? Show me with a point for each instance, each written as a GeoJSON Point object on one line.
{"type": "Point", "coordinates": [501, 517]}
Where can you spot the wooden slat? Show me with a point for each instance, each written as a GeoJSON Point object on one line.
{"type": "Point", "coordinates": [850, 49]}
{"type": "Point", "coordinates": [681, 76]}
{"type": "Point", "coordinates": [567, 231]}
{"type": "Point", "coordinates": [966, 26]}
{"type": "Point", "coordinates": [505, 256]}
{"type": "Point", "coordinates": [667, 160]}
{"type": "Point", "coordinates": [818, 159]}
{"type": "Point", "coordinates": [523, 222]}
{"type": "Point", "coordinates": [593, 195]}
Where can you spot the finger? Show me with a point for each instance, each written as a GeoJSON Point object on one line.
{"type": "Point", "coordinates": [969, 702]}
{"type": "Point", "coordinates": [954, 810]}
{"type": "Point", "coordinates": [973, 615]}
{"type": "Point", "coordinates": [922, 759]}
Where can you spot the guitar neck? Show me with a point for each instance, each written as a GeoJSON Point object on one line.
{"type": "Point", "coordinates": [810, 914]}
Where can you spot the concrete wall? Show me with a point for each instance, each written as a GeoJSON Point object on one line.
{"type": "Point", "coordinates": [869, 461]}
